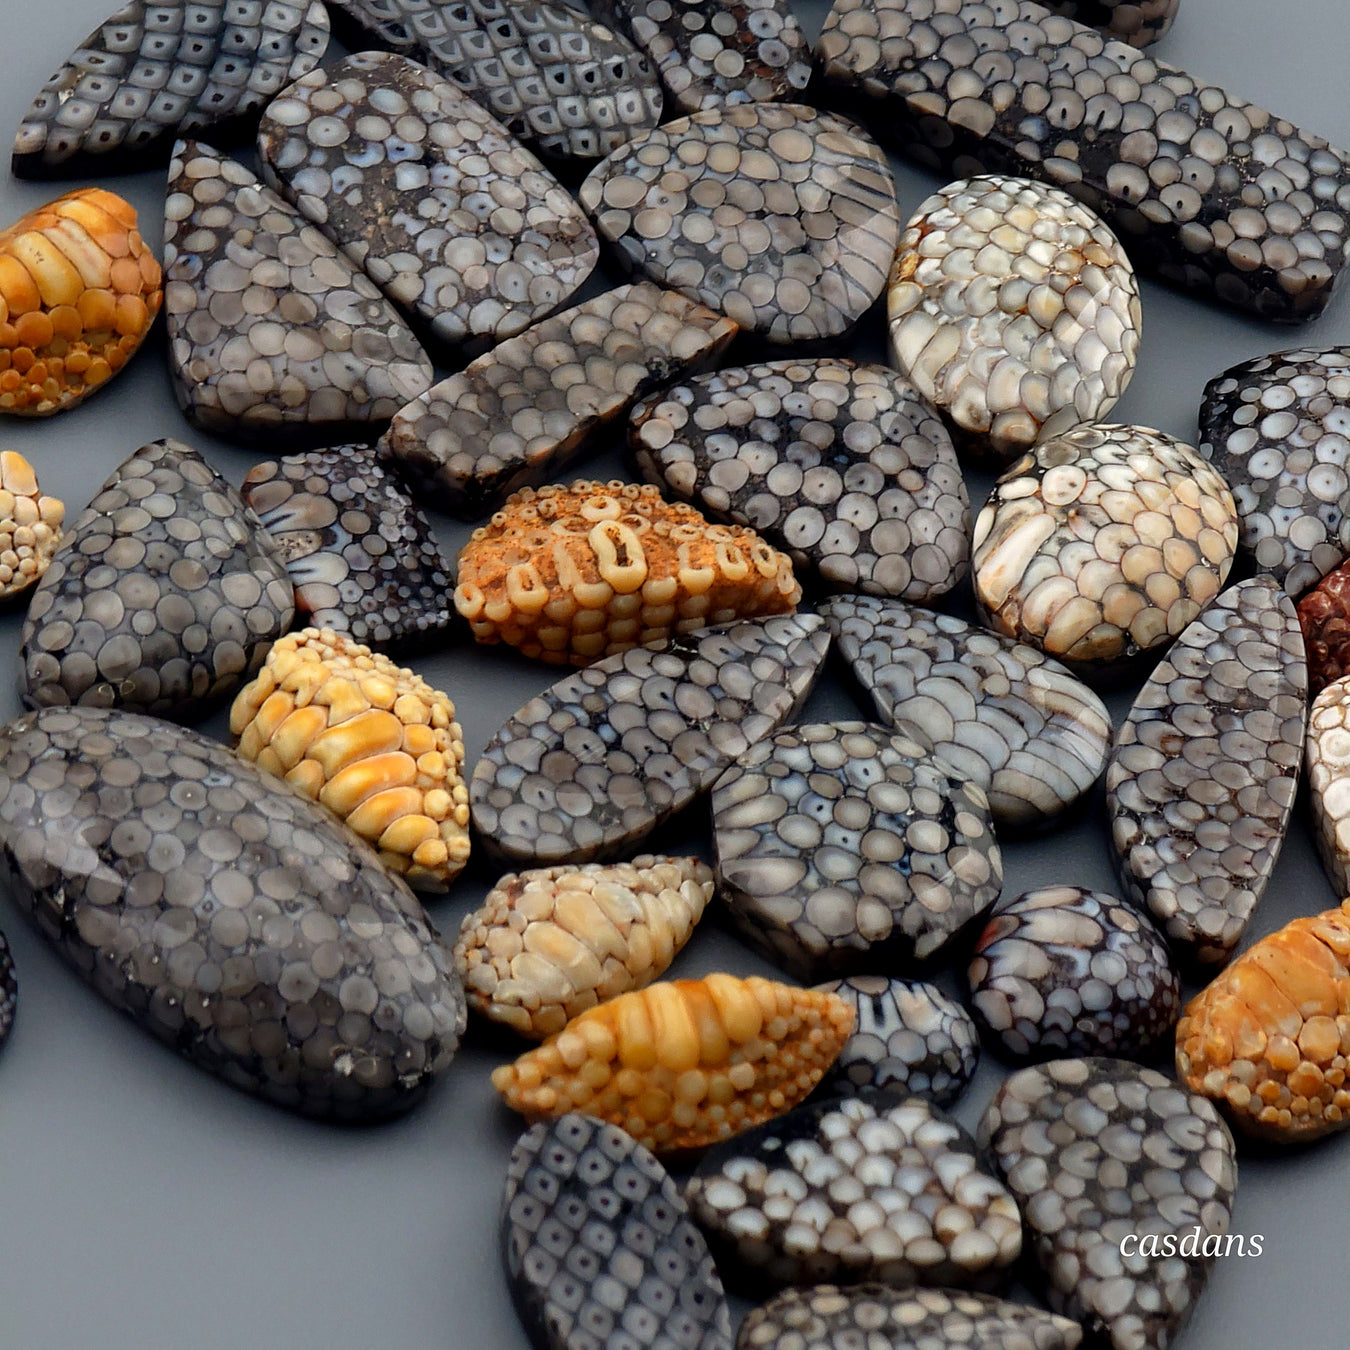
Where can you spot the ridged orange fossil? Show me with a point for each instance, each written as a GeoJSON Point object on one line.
{"type": "Point", "coordinates": [684, 1063]}
{"type": "Point", "coordinates": [30, 525]}
{"type": "Point", "coordinates": [79, 290]}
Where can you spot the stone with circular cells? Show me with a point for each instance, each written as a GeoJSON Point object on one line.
{"type": "Point", "coordinates": [1328, 761]}
{"type": "Point", "coordinates": [1139, 22]}
{"type": "Point", "coordinates": [30, 526]}
{"type": "Point", "coordinates": [1324, 616]}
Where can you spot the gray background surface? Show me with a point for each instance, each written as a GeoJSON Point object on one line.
{"type": "Point", "coordinates": [145, 1205]}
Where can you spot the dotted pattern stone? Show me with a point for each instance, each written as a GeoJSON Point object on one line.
{"type": "Point", "coordinates": [549, 943]}
{"type": "Point", "coordinates": [843, 846]}
{"type": "Point", "coordinates": [1202, 779]}
{"type": "Point", "coordinates": [376, 745]}
{"type": "Point", "coordinates": [79, 291]}
{"type": "Point", "coordinates": [684, 1063]}
{"type": "Point", "coordinates": [159, 69]}
{"type": "Point", "coordinates": [1102, 544]}
{"type": "Point", "coordinates": [1066, 971]}
{"type": "Point", "coordinates": [1014, 309]}
{"type": "Point", "coordinates": [911, 1038]}
{"type": "Point", "coordinates": [521, 413]}
{"type": "Point", "coordinates": [1095, 1150]}
{"type": "Point", "coordinates": [9, 990]}
{"type": "Point", "coordinates": [1328, 758]}
{"type": "Point", "coordinates": [1000, 713]}
{"type": "Point", "coordinates": [1206, 190]}
{"type": "Point", "coordinates": [450, 217]}
{"type": "Point", "coordinates": [1267, 1040]}
{"type": "Point", "coordinates": [1324, 616]}
{"type": "Point", "coordinates": [779, 216]}
{"type": "Point", "coordinates": [595, 763]}
{"type": "Point", "coordinates": [1278, 429]}
{"type": "Point", "coordinates": [1138, 22]}
{"type": "Point", "coordinates": [232, 919]}
{"type": "Point", "coordinates": [165, 596]}
{"type": "Point", "coordinates": [563, 84]}
{"type": "Point", "coordinates": [599, 1248]}
{"type": "Point", "coordinates": [30, 526]}
{"type": "Point", "coordinates": [271, 330]}
{"type": "Point", "coordinates": [872, 1315]}
{"type": "Point", "coordinates": [358, 549]}
{"type": "Point", "coordinates": [577, 573]}
{"type": "Point", "coordinates": [718, 53]}
{"type": "Point", "coordinates": [840, 464]}
{"type": "Point", "coordinates": [870, 1188]}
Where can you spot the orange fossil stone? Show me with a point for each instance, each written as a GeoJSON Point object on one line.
{"type": "Point", "coordinates": [30, 525]}
{"type": "Point", "coordinates": [79, 290]}
{"type": "Point", "coordinates": [684, 1063]}
{"type": "Point", "coordinates": [376, 745]}
{"type": "Point", "coordinates": [1269, 1039]}
{"type": "Point", "coordinates": [576, 573]}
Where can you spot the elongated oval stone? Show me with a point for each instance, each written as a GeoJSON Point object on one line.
{"type": "Point", "coordinates": [999, 712]}
{"type": "Point", "coordinates": [781, 217]}
{"type": "Point", "coordinates": [519, 414]}
{"type": "Point", "coordinates": [450, 217]}
{"type": "Point", "coordinates": [271, 330]}
{"type": "Point", "coordinates": [165, 595]}
{"type": "Point", "coordinates": [593, 765]}
{"type": "Point", "coordinates": [599, 1247]}
{"type": "Point", "coordinates": [843, 846]}
{"type": "Point", "coordinates": [157, 69]}
{"type": "Point", "coordinates": [869, 1188]}
{"type": "Point", "coordinates": [838, 463]}
{"type": "Point", "coordinates": [558, 81]}
{"type": "Point", "coordinates": [1097, 1151]}
{"type": "Point", "coordinates": [1278, 429]}
{"type": "Point", "coordinates": [228, 916]}
{"type": "Point", "coordinates": [1204, 771]}
{"type": "Point", "coordinates": [881, 1318]}
{"type": "Point", "coordinates": [1328, 758]}
{"type": "Point", "coordinates": [1101, 544]}
{"type": "Point", "coordinates": [1324, 616]}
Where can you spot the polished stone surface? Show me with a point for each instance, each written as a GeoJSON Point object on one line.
{"type": "Point", "coordinates": [1138, 22]}
{"type": "Point", "coordinates": [1324, 616]}
{"type": "Point", "coordinates": [1328, 760]}
{"type": "Point", "coordinates": [30, 526]}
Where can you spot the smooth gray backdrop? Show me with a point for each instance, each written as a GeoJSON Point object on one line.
{"type": "Point", "coordinates": [144, 1205]}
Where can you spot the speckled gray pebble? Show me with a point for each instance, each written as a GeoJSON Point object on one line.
{"type": "Point", "coordinates": [599, 760]}
{"type": "Point", "coordinates": [9, 990]}
{"type": "Point", "coordinates": [164, 596]}
{"type": "Point", "coordinates": [599, 1248]}
{"type": "Point", "coordinates": [841, 464]}
{"type": "Point", "coordinates": [1097, 1151]}
{"type": "Point", "coordinates": [999, 712]}
{"type": "Point", "coordinates": [231, 918]}
{"type": "Point", "coordinates": [843, 846]}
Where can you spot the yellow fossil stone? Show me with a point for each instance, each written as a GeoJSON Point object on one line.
{"type": "Point", "coordinates": [576, 573]}
{"type": "Point", "coordinates": [684, 1063]}
{"type": "Point", "coordinates": [375, 744]}
{"type": "Point", "coordinates": [549, 943]}
{"type": "Point", "coordinates": [30, 525]}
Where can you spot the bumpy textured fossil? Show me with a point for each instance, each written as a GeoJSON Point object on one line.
{"type": "Point", "coordinates": [450, 217]}
{"type": "Point", "coordinates": [157, 69]}
{"type": "Point", "coordinates": [827, 1317]}
{"type": "Point", "coordinates": [361, 554]}
{"type": "Point", "coordinates": [1015, 310]}
{"type": "Point", "coordinates": [1204, 771]}
{"type": "Point", "coordinates": [840, 464]}
{"type": "Point", "coordinates": [376, 745]}
{"type": "Point", "coordinates": [1269, 1039]}
{"type": "Point", "coordinates": [30, 525]}
{"type": "Point", "coordinates": [684, 1063]}
{"type": "Point", "coordinates": [1208, 191]}
{"type": "Point", "coordinates": [1102, 543]}
{"type": "Point", "coordinates": [164, 596]}
{"type": "Point", "coordinates": [714, 53]}
{"type": "Point", "coordinates": [522, 412]}
{"type": "Point", "coordinates": [79, 291]}
{"type": "Point", "coordinates": [998, 712]}
{"type": "Point", "coordinates": [1277, 428]}
{"type": "Point", "coordinates": [1328, 758]}
{"type": "Point", "coordinates": [271, 329]}
{"type": "Point", "coordinates": [844, 846]}
{"type": "Point", "coordinates": [600, 1251]}
{"type": "Point", "coordinates": [232, 919]}
{"type": "Point", "coordinates": [598, 761]}
{"type": "Point", "coordinates": [1324, 616]}
{"type": "Point", "coordinates": [781, 217]}
{"type": "Point", "coordinates": [573, 574]}
{"type": "Point", "coordinates": [549, 943]}
{"type": "Point", "coordinates": [1095, 1150]}
{"type": "Point", "coordinates": [555, 79]}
